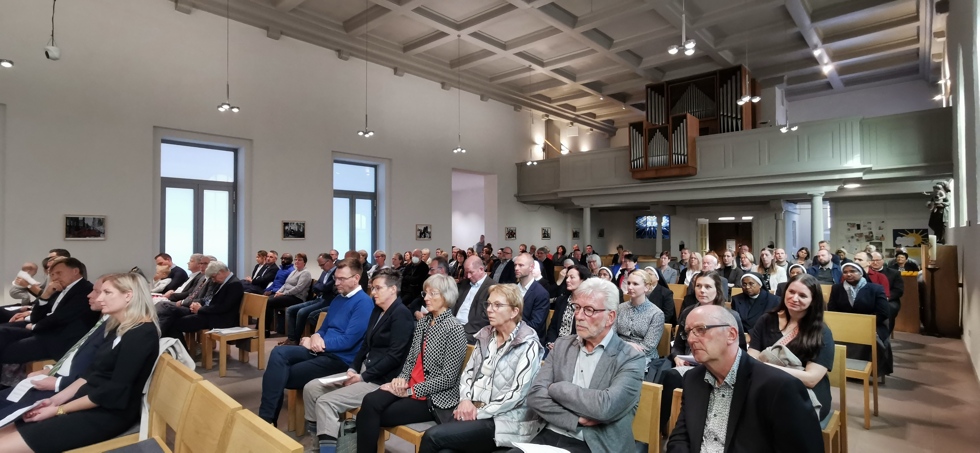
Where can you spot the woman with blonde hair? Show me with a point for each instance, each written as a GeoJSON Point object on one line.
{"type": "Point", "coordinates": [106, 400]}
{"type": "Point", "coordinates": [492, 410]}
{"type": "Point", "coordinates": [693, 268]}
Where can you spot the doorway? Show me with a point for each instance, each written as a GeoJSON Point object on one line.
{"type": "Point", "coordinates": [722, 234]}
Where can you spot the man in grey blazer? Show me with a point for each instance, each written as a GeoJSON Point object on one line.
{"type": "Point", "coordinates": [474, 292]}
{"type": "Point", "coordinates": [589, 386]}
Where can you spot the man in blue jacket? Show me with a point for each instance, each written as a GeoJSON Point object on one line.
{"type": "Point", "coordinates": [329, 351]}
{"type": "Point", "coordinates": [281, 275]}
{"type": "Point", "coordinates": [825, 270]}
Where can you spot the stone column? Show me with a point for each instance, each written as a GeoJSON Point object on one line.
{"type": "Point", "coordinates": [586, 227]}
{"type": "Point", "coordinates": [816, 221]}
{"type": "Point", "coordinates": [780, 229]}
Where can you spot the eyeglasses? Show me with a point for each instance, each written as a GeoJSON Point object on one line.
{"type": "Point", "coordinates": [588, 311]}
{"type": "Point", "coordinates": [699, 331]}
{"type": "Point", "coordinates": [343, 279]}
{"type": "Point", "coordinates": [496, 306]}
{"type": "Point", "coordinates": [431, 293]}
{"type": "Point", "coordinates": [376, 288]}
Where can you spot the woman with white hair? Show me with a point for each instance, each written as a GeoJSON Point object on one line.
{"type": "Point", "coordinates": [428, 387]}
{"type": "Point", "coordinates": [107, 399]}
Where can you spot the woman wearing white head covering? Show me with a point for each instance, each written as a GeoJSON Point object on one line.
{"type": "Point", "coordinates": [855, 294]}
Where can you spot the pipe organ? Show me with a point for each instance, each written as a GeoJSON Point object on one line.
{"type": "Point", "coordinates": [679, 111]}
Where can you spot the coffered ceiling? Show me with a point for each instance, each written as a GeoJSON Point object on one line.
{"type": "Point", "coordinates": [588, 60]}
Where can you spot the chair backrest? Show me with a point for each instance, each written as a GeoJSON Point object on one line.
{"type": "Point", "coordinates": [838, 377]}
{"type": "Point", "coordinates": [679, 290]}
{"type": "Point", "coordinates": [735, 291]}
{"type": "Point", "coordinates": [251, 434]}
{"type": "Point", "coordinates": [170, 385]}
{"type": "Point", "coordinates": [851, 327]}
{"type": "Point", "coordinates": [646, 421]}
{"type": "Point", "coordinates": [663, 348]}
{"type": "Point", "coordinates": [204, 420]}
{"type": "Point", "coordinates": [825, 289]}
{"type": "Point", "coordinates": [675, 409]}
{"type": "Point", "coordinates": [253, 306]}
{"type": "Point", "coordinates": [466, 358]}
{"type": "Point", "coordinates": [551, 314]}
{"type": "Point", "coordinates": [319, 320]}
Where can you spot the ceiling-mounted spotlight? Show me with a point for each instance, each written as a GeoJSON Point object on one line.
{"type": "Point", "coordinates": [564, 149]}
{"type": "Point", "coordinates": [601, 97]}
{"type": "Point", "coordinates": [458, 150]}
{"type": "Point", "coordinates": [788, 128]}
{"type": "Point", "coordinates": [817, 52]}
{"type": "Point", "coordinates": [937, 97]}
{"type": "Point", "coordinates": [545, 116]}
{"type": "Point", "coordinates": [571, 124]}
{"type": "Point", "coordinates": [673, 49]}
{"type": "Point", "coordinates": [531, 162]}
{"type": "Point", "coordinates": [224, 106]}
{"type": "Point", "coordinates": [624, 106]}
{"type": "Point", "coordinates": [6, 63]}
{"type": "Point", "coordinates": [852, 185]}
{"type": "Point", "coordinates": [827, 68]}
{"type": "Point", "coordinates": [590, 130]}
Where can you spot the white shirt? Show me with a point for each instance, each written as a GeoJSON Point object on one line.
{"type": "Point", "coordinates": [188, 282]}
{"type": "Point", "coordinates": [61, 295]}
{"type": "Point", "coordinates": [463, 315]}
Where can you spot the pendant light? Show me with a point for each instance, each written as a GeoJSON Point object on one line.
{"type": "Point", "coordinates": [226, 106]}
{"type": "Point", "coordinates": [747, 96]}
{"type": "Point", "coordinates": [787, 127]}
{"type": "Point", "coordinates": [686, 44]}
{"type": "Point", "coordinates": [459, 102]}
{"type": "Point", "coordinates": [366, 132]}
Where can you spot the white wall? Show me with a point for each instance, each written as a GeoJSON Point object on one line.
{"type": "Point", "coordinates": [469, 220]}
{"type": "Point", "coordinates": [876, 101]}
{"type": "Point", "coordinates": [897, 214]}
{"type": "Point", "coordinates": [79, 132]}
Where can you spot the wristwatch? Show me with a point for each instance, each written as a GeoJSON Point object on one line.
{"type": "Point", "coordinates": [61, 411]}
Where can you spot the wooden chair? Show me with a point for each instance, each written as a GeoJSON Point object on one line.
{"type": "Point", "coordinates": [663, 348]}
{"type": "Point", "coordinates": [675, 409]}
{"type": "Point", "coordinates": [251, 434]}
{"type": "Point", "coordinates": [858, 329]}
{"type": "Point", "coordinates": [735, 291]}
{"type": "Point", "coordinates": [170, 386]}
{"type": "Point", "coordinates": [253, 306]}
{"type": "Point", "coordinates": [319, 322]}
{"type": "Point", "coordinates": [413, 433]}
{"type": "Point", "coordinates": [192, 339]}
{"type": "Point", "coordinates": [38, 365]}
{"type": "Point", "coordinates": [295, 406]}
{"type": "Point", "coordinates": [547, 323]}
{"type": "Point", "coordinates": [835, 434]}
{"type": "Point", "coordinates": [646, 421]}
{"type": "Point", "coordinates": [825, 289]}
{"type": "Point", "coordinates": [206, 417]}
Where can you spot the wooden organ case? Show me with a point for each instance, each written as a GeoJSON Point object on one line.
{"type": "Point", "coordinates": [679, 111]}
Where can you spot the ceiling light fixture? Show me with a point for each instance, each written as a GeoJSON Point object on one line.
{"type": "Point", "coordinates": [937, 97]}
{"type": "Point", "coordinates": [224, 106]}
{"type": "Point", "coordinates": [787, 127]}
{"type": "Point", "coordinates": [746, 217]}
{"type": "Point", "coordinates": [827, 68]}
{"type": "Point", "coordinates": [366, 132]}
{"type": "Point", "coordinates": [51, 50]}
{"type": "Point", "coordinates": [6, 63]}
{"type": "Point", "coordinates": [852, 185]}
{"type": "Point", "coordinates": [747, 94]}
{"type": "Point", "coordinates": [816, 52]}
{"type": "Point", "coordinates": [687, 44]}
{"type": "Point", "coordinates": [564, 149]}
{"type": "Point", "coordinates": [459, 102]}
{"type": "Point", "coordinates": [724, 219]}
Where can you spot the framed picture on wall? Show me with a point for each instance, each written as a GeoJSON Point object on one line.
{"type": "Point", "coordinates": [602, 232]}
{"type": "Point", "coordinates": [85, 227]}
{"type": "Point", "coordinates": [294, 229]}
{"type": "Point", "coordinates": [510, 233]}
{"type": "Point", "coordinates": [423, 232]}
{"type": "Point", "coordinates": [546, 233]}
{"type": "Point", "coordinates": [575, 233]}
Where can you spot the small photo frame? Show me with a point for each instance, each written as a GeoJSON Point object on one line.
{"type": "Point", "coordinates": [602, 232]}
{"type": "Point", "coordinates": [575, 233]}
{"type": "Point", "coordinates": [510, 233]}
{"type": "Point", "coordinates": [423, 232]}
{"type": "Point", "coordinates": [85, 227]}
{"type": "Point", "coordinates": [294, 229]}
{"type": "Point", "coordinates": [546, 233]}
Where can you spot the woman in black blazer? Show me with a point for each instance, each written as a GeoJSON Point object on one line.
{"type": "Point", "coordinates": [563, 321]}
{"type": "Point", "coordinates": [428, 387]}
{"type": "Point", "coordinates": [868, 299]}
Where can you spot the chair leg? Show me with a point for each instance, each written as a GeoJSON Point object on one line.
{"type": "Point", "coordinates": [867, 405]}
{"type": "Point", "coordinates": [299, 414]}
{"type": "Point", "coordinates": [843, 433]}
{"type": "Point", "coordinates": [222, 358]}
{"type": "Point", "coordinates": [875, 388]}
{"type": "Point", "coordinates": [290, 403]}
{"type": "Point", "coordinates": [260, 349]}
{"type": "Point", "coordinates": [381, 441]}
{"type": "Point", "coordinates": [207, 358]}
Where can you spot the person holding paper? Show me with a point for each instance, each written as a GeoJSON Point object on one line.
{"type": "Point", "coordinates": [492, 411]}
{"type": "Point", "coordinates": [106, 400]}
{"type": "Point", "coordinates": [330, 350]}
{"type": "Point", "coordinates": [378, 361]}
{"type": "Point", "coordinates": [589, 386]}
{"type": "Point", "coordinates": [45, 383]}
{"type": "Point", "coordinates": [734, 403]}
{"type": "Point", "coordinates": [427, 388]}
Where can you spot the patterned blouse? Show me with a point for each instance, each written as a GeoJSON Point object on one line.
{"type": "Point", "coordinates": [642, 324]}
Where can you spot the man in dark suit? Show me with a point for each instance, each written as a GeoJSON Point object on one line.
{"type": "Point", "coordinates": [55, 324]}
{"type": "Point", "coordinates": [262, 274]}
{"type": "Point", "coordinates": [896, 287]}
{"type": "Point", "coordinates": [177, 275]}
{"type": "Point", "coordinates": [504, 273]}
{"type": "Point", "coordinates": [219, 307]}
{"type": "Point", "coordinates": [69, 368]}
{"type": "Point", "coordinates": [753, 406]}
{"type": "Point", "coordinates": [474, 292]}
{"type": "Point", "coordinates": [547, 266]}
{"type": "Point", "coordinates": [536, 301]}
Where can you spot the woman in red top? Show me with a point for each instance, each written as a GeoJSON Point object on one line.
{"type": "Point", "coordinates": [428, 387]}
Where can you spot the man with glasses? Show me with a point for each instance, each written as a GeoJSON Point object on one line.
{"type": "Point", "coordinates": [379, 263]}
{"type": "Point", "coordinates": [474, 292]}
{"type": "Point", "coordinates": [896, 287]}
{"type": "Point", "coordinates": [770, 408]}
{"type": "Point", "coordinates": [329, 351]}
{"type": "Point", "coordinates": [589, 386]}
{"type": "Point", "coordinates": [301, 314]}
{"type": "Point", "coordinates": [504, 273]}
{"type": "Point", "coordinates": [754, 300]}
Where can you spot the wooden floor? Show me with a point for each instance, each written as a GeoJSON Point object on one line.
{"type": "Point", "coordinates": [930, 404]}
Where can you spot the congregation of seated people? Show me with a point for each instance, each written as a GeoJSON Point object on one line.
{"type": "Point", "coordinates": [393, 340]}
